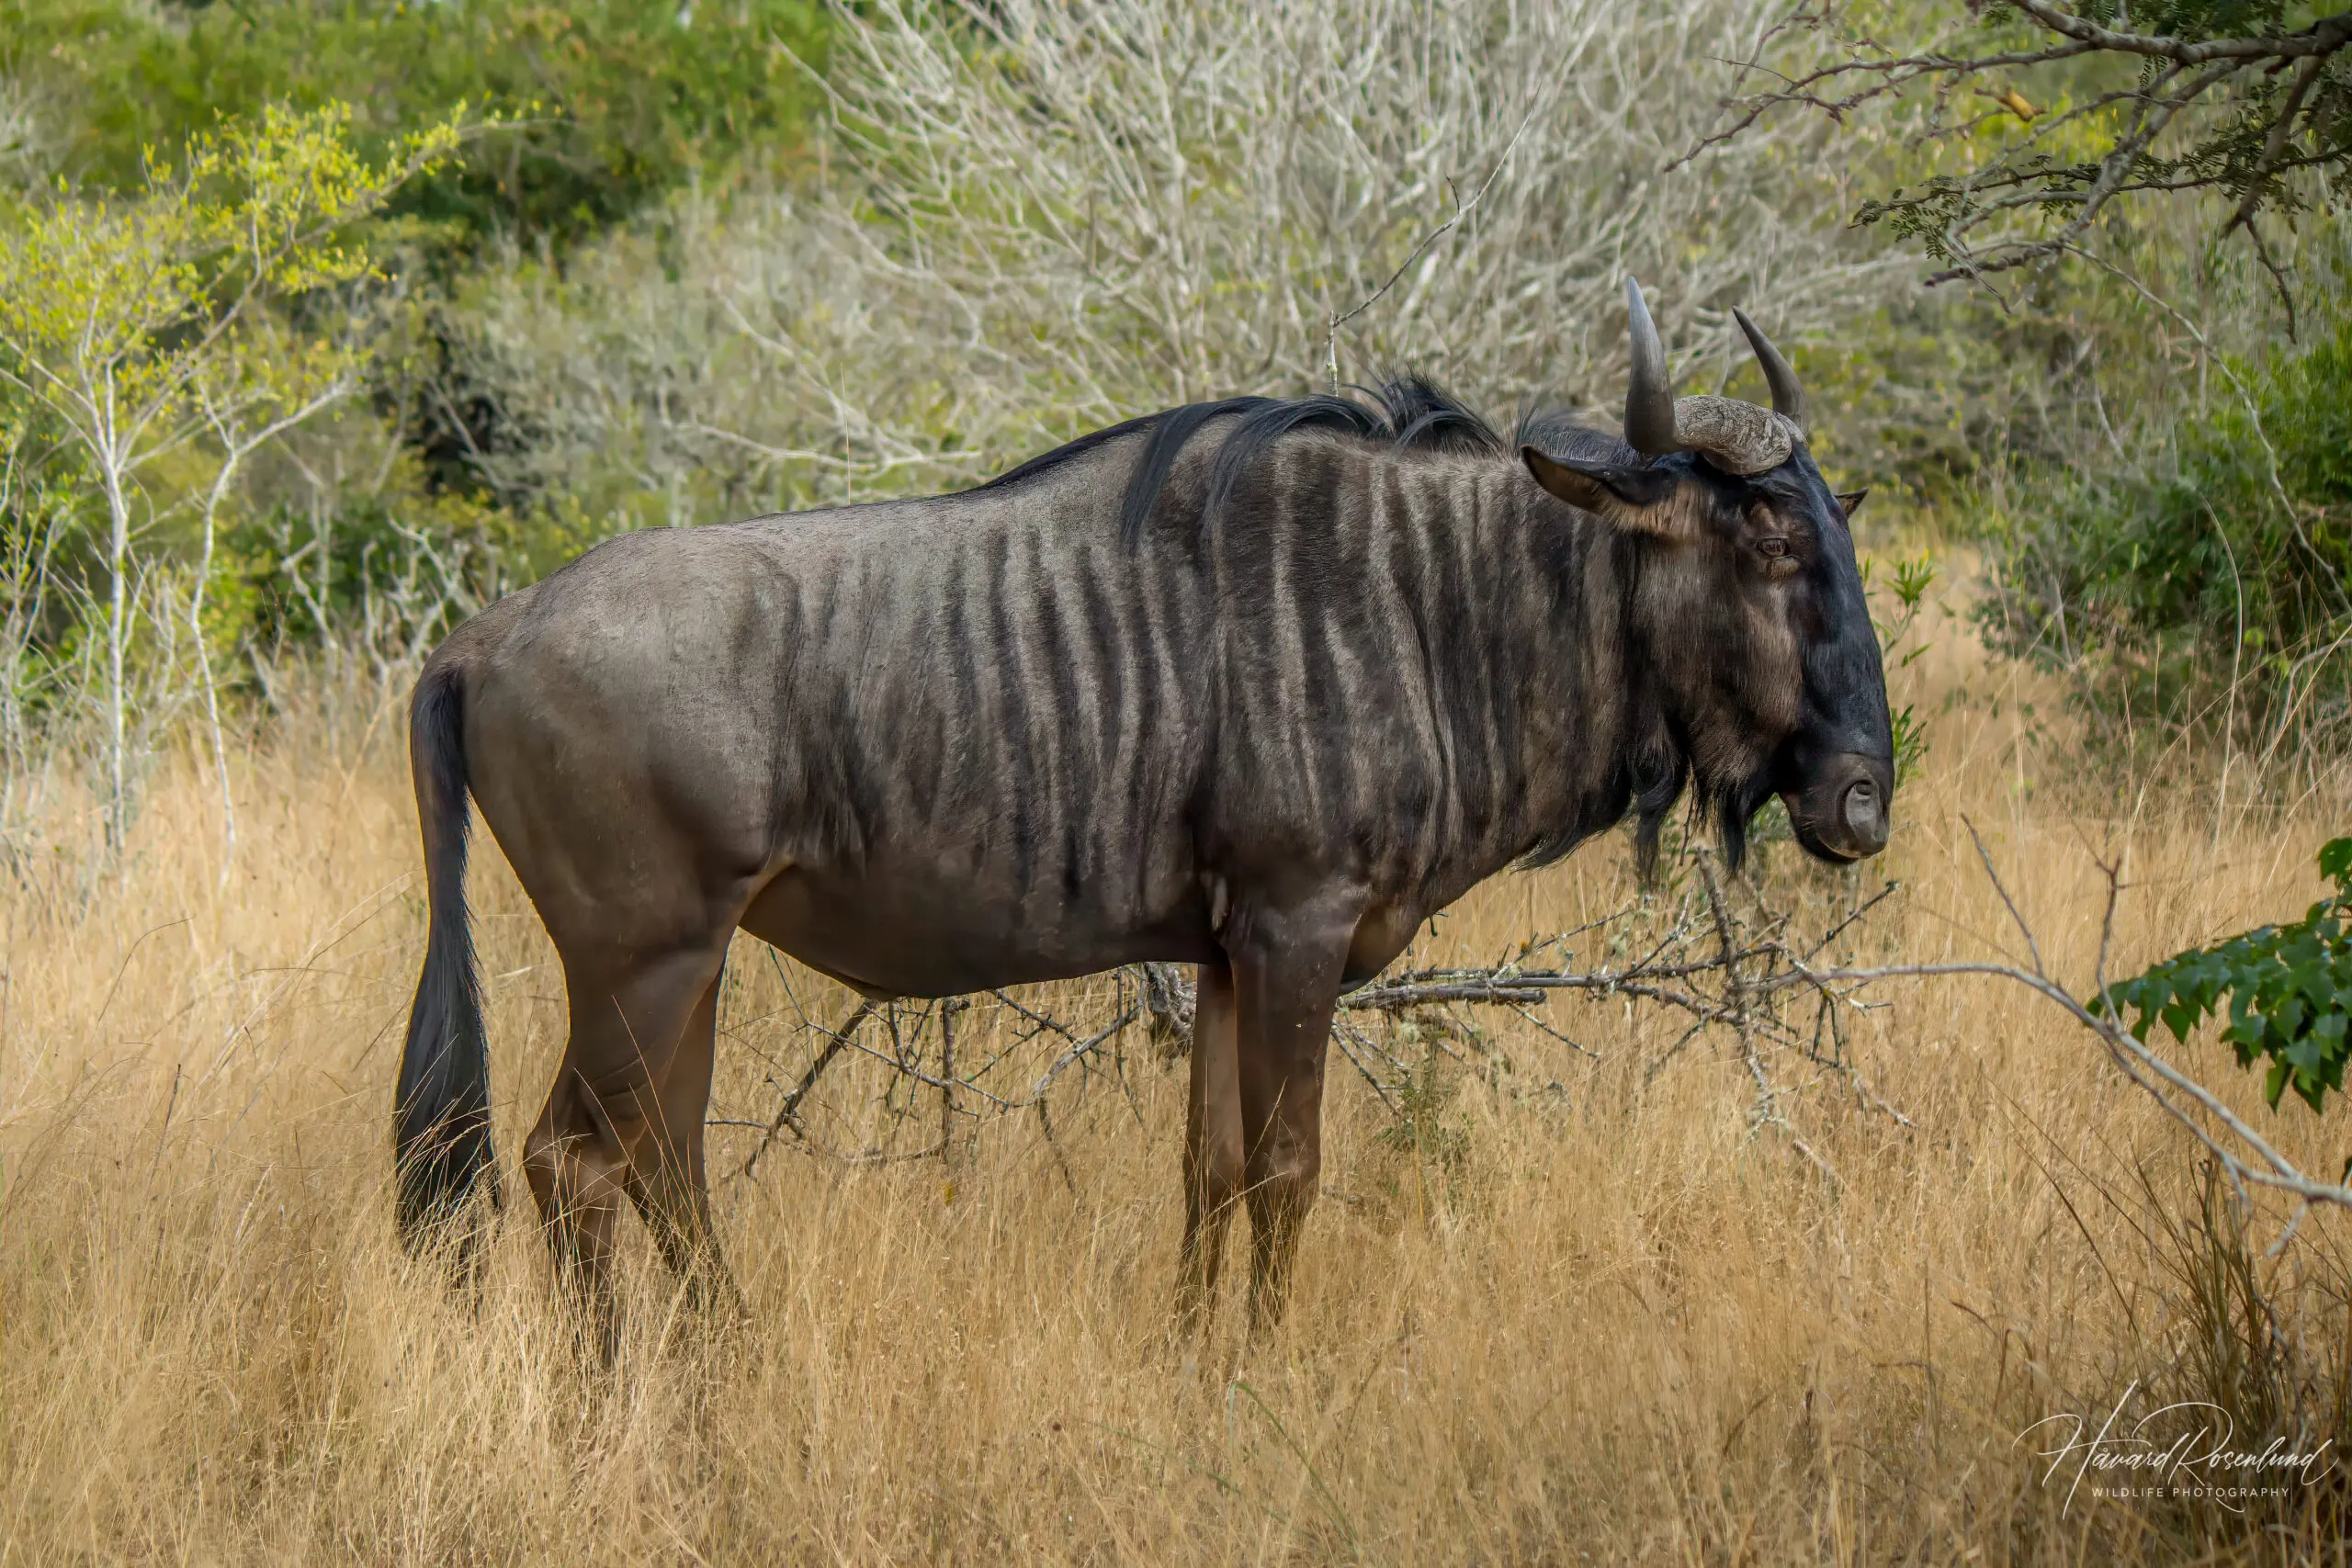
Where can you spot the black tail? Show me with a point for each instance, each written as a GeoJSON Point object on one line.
{"type": "Point", "coordinates": [441, 1109]}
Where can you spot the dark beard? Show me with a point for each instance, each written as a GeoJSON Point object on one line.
{"type": "Point", "coordinates": [1736, 802]}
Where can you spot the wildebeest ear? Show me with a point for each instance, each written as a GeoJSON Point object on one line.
{"type": "Point", "coordinates": [1850, 502]}
{"type": "Point", "coordinates": [1630, 497]}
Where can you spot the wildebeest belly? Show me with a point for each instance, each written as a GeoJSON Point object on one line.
{"type": "Point", "coordinates": [928, 936]}
{"type": "Point", "coordinates": [931, 933]}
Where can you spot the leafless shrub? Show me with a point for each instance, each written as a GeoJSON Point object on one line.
{"type": "Point", "coordinates": [1038, 219]}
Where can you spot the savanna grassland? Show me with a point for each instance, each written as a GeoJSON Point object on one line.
{"type": "Point", "coordinates": [322, 325]}
{"type": "Point", "coordinates": [1595, 1315]}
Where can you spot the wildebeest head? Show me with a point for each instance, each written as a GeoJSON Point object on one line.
{"type": "Point", "coordinates": [1746, 600]}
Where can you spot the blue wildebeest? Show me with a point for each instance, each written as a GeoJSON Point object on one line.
{"type": "Point", "coordinates": [1254, 685]}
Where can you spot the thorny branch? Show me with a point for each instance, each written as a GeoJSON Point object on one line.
{"type": "Point", "coordinates": [1713, 954]}
{"type": "Point", "coordinates": [788, 1114]}
{"type": "Point", "coordinates": [1691, 954]}
{"type": "Point", "coordinates": [2247, 1158]}
{"type": "Point", "coordinates": [2235, 113]}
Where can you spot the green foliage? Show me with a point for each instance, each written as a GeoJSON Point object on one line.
{"type": "Point", "coordinates": [133, 296]}
{"type": "Point", "coordinates": [2207, 588]}
{"type": "Point", "coordinates": [614, 102]}
{"type": "Point", "coordinates": [406, 561]}
{"type": "Point", "coordinates": [2272, 102]}
{"type": "Point", "coordinates": [2288, 990]}
{"type": "Point", "coordinates": [135, 326]}
{"type": "Point", "coordinates": [138, 355]}
{"type": "Point", "coordinates": [1423, 1129]}
{"type": "Point", "coordinates": [1909, 582]}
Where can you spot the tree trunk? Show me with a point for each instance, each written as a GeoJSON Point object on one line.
{"type": "Point", "coordinates": [118, 603]}
{"type": "Point", "coordinates": [204, 672]}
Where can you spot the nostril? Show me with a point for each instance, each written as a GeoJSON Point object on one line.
{"type": "Point", "coordinates": [1864, 816]}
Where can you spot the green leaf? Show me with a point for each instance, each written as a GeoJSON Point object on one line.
{"type": "Point", "coordinates": [2312, 1090]}
{"type": "Point", "coordinates": [2285, 992]}
{"type": "Point", "coordinates": [2286, 1019]}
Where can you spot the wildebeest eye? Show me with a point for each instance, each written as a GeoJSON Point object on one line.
{"type": "Point", "coordinates": [1773, 548]}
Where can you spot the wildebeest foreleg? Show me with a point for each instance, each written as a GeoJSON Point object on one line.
{"type": "Point", "coordinates": [1286, 966]}
{"type": "Point", "coordinates": [1212, 1158]}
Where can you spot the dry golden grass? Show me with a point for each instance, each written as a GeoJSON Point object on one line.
{"type": "Point", "coordinates": [1620, 1327]}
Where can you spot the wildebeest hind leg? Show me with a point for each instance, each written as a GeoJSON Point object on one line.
{"type": "Point", "coordinates": [606, 1124]}
{"type": "Point", "coordinates": [1211, 1148]}
{"type": "Point", "coordinates": [672, 1195]}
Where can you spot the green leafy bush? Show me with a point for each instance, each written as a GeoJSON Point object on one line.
{"type": "Point", "coordinates": [2288, 990]}
{"type": "Point", "coordinates": [618, 101]}
{"type": "Point", "coordinates": [2205, 590]}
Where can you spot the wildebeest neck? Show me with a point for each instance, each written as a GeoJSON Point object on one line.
{"type": "Point", "coordinates": [1421, 664]}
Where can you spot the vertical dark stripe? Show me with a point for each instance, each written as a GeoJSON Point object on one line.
{"type": "Point", "coordinates": [1065, 785]}
{"type": "Point", "coordinates": [959, 704]}
{"type": "Point", "coordinates": [1110, 794]}
{"type": "Point", "coordinates": [1005, 746]}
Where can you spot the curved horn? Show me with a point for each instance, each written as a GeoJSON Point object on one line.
{"type": "Point", "coordinates": [1788, 396]}
{"type": "Point", "coordinates": [1649, 396]}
